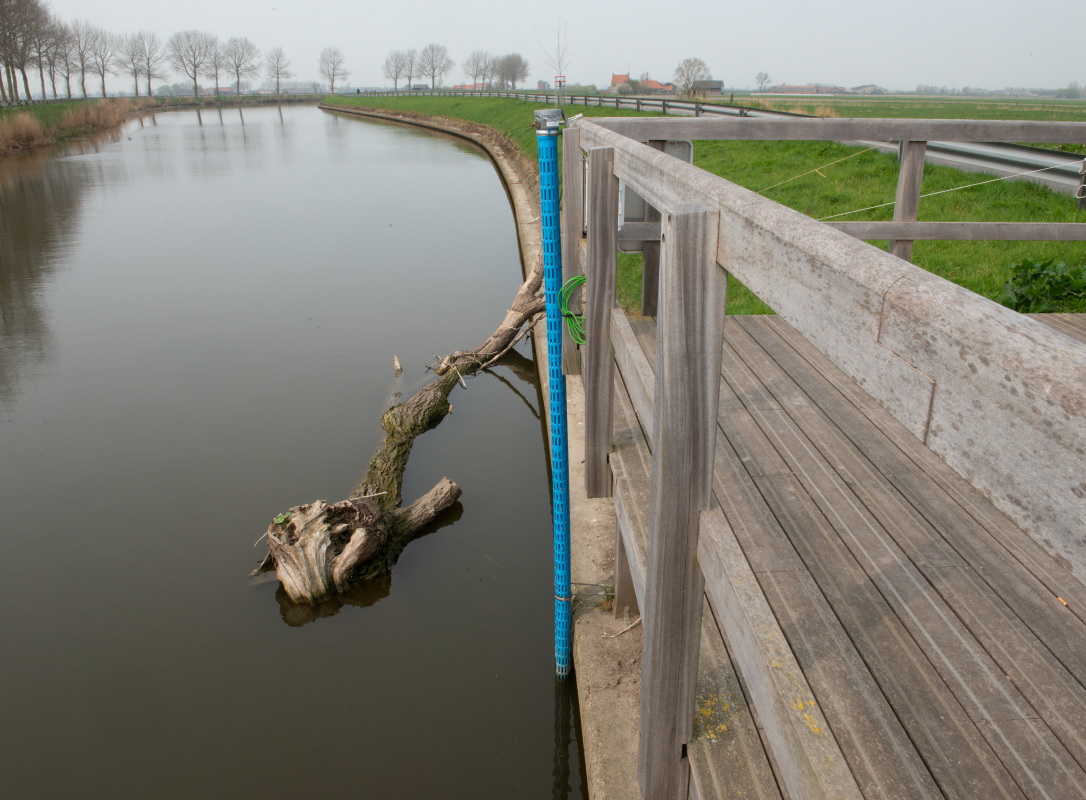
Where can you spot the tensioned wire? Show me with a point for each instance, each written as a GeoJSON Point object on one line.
{"type": "Point", "coordinates": [945, 191]}
{"type": "Point", "coordinates": [816, 169]}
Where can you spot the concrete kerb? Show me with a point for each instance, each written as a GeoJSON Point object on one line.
{"type": "Point", "coordinates": [607, 671]}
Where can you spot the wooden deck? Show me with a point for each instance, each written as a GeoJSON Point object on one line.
{"type": "Point", "coordinates": [881, 615]}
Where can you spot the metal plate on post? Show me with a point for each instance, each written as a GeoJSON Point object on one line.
{"type": "Point", "coordinates": [635, 207]}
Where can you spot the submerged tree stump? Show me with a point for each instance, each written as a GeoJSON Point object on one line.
{"type": "Point", "coordinates": [320, 549]}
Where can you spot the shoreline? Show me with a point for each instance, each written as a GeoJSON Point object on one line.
{"type": "Point", "coordinates": [607, 671]}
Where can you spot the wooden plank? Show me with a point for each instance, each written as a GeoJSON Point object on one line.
{"type": "Point", "coordinates": [689, 338]}
{"type": "Point", "coordinates": [650, 254]}
{"type": "Point", "coordinates": [1046, 684]}
{"type": "Point", "coordinates": [975, 679]}
{"type": "Point", "coordinates": [639, 232]}
{"type": "Point", "coordinates": [808, 760]}
{"type": "Point", "coordinates": [907, 199]}
{"type": "Point", "coordinates": [971, 231]}
{"type": "Point", "coordinates": [631, 464]}
{"type": "Point", "coordinates": [1004, 535]}
{"type": "Point", "coordinates": [1074, 325]}
{"type": "Point", "coordinates": [572, 230]}
{"type": "Point", "coordinates": [844, 130]}
{"type": "Point", "coordinates": [634, 367]}
{"type": "Point", "coordinates": [599, 361]}
{"type": "Point", "coordinates": [727, 758]}
{"type": "Point", "coordinates": [625, 597]}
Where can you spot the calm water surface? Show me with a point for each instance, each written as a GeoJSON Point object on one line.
{"type": "Point", "coordinates": [197, 324]}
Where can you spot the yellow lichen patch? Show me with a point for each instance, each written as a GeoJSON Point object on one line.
{"type": "Point", "coordinates": [812, 723]}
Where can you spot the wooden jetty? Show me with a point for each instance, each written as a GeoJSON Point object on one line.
{"type": "Point", "coordinates": [856, 530]}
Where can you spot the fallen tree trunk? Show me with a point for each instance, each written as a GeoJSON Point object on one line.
{"type": "Point", "coordinates": [320, 549]}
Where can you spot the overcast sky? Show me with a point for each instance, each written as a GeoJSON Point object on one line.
{"type": "Point", "coordinates": [896, 45]}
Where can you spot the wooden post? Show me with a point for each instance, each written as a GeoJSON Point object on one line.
{"type": "Point", "coordinates": [697, 109]}
{"type": "Point", "coordinates": [639, 104]}
{"type": "Point", "coordinates": [650, 255]}
{"type": "Point", "coordinates": [663, 106]}
{"type": "Point", "coordinates": [689, 339]}
{"type": "Point", "coordinates": [599, 359]}
{"type": "Point", "coordinates": [625, 596]}
{"type": "Point", "coordinates": [907, 203]}
{"type": "Point", "coordinates": [572, 231]}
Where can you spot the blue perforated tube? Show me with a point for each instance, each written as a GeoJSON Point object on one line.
{"type": "Point", "coordinates": [552, 283]}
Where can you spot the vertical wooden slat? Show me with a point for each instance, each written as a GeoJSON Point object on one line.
{"type": "Point", "coordinates": [599, 359]}
{"type": "Point", "coordinates": [907, 203]}
{"type": "Point", "coordinates": [650, 255]}
{"type": "Point", "coordinates": [625, 594]}
{"type": "Point", "coordinates": [690, 335]}
{"type": "Point", "coordinates": [572, 229]}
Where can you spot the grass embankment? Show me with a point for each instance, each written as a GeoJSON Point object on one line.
{"type": "Point", "coordinates": [866, 179]}
{"type": "Point", "coordinates": [26, 127]}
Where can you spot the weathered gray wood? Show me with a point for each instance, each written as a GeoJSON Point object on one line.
{"type": "Point", "coordinates": [631, 465]}
{"type": "Point", "coordinates": [907, 200]}
{"type": "Point", "coordinates": [975, 231]}
{"type": "Point", "coordinates": [844, 130]}
{"type": "Point", "coordinates": [639, 232]}
{"type": "Point", "coordinates": [1081, 193]}
{"type": "Point", "coordinates": [808, 760]}
{"type": "Point", "coordinates": [727, 758]}
{"type": "Point", "coordinates": [636, 373]}
{"type": "Point", "coordinates": [572, 230]}
{"type": "Point", "coordinates": [650, 253]}
{"type": "Point", "coordinates": [1074, 325]}
{"type": "Point", "coordinates": [599, 361]}
{"type": "Point", "coordinates": [690, 336]}
{"type": "Point", "coordinates": [625, 597]}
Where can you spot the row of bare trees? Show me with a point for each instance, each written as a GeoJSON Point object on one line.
{"type": "Point", "coordinates": [32, 38]}
{"type": "Point", "coordinates": [497, 72]}
{"type": "Point", "coordinates": [432, 61]}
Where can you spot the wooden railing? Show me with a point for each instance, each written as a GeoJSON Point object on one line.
{"type": "Point", "coordinates": [997, 394]}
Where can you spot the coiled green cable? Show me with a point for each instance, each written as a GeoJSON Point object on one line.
{"type": "Point", "coordinates": [574, 322]}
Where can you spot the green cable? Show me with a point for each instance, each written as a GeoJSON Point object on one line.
{"type": "Point", "coordinates": [575, 322]}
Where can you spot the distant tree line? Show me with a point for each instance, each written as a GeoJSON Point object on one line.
{"type": "Point", "coordinates": [434, 63]}
{"type": "Point", "coordinates": [35, 42]}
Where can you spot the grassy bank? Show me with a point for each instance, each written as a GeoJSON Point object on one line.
{"type": "Point", "coordinates": [865, 179]}
{"type": "Point", "coordinates": [26, 127]}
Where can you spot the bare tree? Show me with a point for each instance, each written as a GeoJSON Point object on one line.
{"type": "Point", "coordinates": [130, 59]}
{"type": "Point", "coordinates": [41, 40]}
{"type": "Point", "coordinates": [410, 65]}
{"type": "Point", "coordinates": [104, 47]}
{"type": "Point", "coordinates": [762, 79]}
{"type": "Point", "coordinates": [188, 53]}
{"type": "Point", "coordinates": [66, 61]}
{"type": "Point", "coordinates": [688, 72]}
{"type": "Point", "coordinates": [512, 68]}
{"type": "Point", "coordinates": [277, 66]}
{"type": "Point", "coordinates": [557, 58]}
{"type": "Point", "coordinates": [435, 62]}
{"type": "Point", "coordinates": [20, 22]}
{"type": "Point", "coordinates": [475, 66]}
{"type": "Point", "coordinates": [216, 62]}
{"type": "Point", "coordinates": [54, 52]}
{"type": "Point", "coordinates": [330, 65]}
{"type": "Point", "coordinates": [490, 70]}
{"type": "Point", "coordinates": [82, 32]}
{"type": "Point", "coordinates": [243, 59]}
{"type": "Point", "coordinates": [154, 57]}
{"type": "Point", "coordinates": [393, 68]}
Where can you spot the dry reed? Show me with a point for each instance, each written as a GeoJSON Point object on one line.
{"type": "Point", "coordinates": [23, 129]}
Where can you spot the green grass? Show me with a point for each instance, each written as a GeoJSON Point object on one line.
{"type": "Point", "coordinates": [49, 115]}
{"type": "Point", "coordinates": [868, 179]}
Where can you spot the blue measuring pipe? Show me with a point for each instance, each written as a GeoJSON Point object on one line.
{"type": "Point", "coordinates": [547, 122]}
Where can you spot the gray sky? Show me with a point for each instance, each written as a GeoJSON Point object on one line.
{"type": "Point", "coordinates": [847, 42]}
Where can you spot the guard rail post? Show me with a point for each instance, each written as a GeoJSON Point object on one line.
{"type": "Point", "coordinates": [1081, 193]}
{"type": "Point", "coordinates": [907, 201]}
{"type": "Point", "coordinates": [598, 367]}
{"type": "Point", "coordinates": [689, 342]}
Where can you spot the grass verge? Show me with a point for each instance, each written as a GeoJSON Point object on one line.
{"type": "Point", "coordinates": [864, 179]}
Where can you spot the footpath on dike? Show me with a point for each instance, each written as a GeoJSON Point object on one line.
{"type": "Point", "coordinates": [607, 670]}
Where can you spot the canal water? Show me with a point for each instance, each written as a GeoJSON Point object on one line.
{"type": "Point", "coordinates": [198, 317]}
